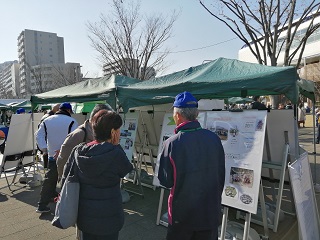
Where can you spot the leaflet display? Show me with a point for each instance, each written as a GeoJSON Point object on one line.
{"type": "Point", "coordinates": [128, 133]}
{"type": "Point", "coordinates": [242, 136]}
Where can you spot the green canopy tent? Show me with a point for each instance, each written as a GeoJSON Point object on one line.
{"type": "Point", "coordinates": [96, 89]}
{"type": "Point", "coordinates": [219, 79]}
{"type": "Point", "coordinates": [25, 104]}
{"type": "Point", "coordinates": [239, 100]}
{"type": "Point", "coordinates": [4, 106]}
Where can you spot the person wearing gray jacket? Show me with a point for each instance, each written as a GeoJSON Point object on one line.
{"type": "Point", "coordinates": [82, 134]}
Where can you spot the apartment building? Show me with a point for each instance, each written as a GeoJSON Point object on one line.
{"type": "Point", "coordinates": [41, 57]}
{"type": "Point", "coordinates": [46, 77]}
{"type": "Point", "coordinates": [9, 80]}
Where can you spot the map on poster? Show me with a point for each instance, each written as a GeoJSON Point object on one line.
{"type": "Point", "coordinates": [128, 133]}
{"type": "Point", "coordinates": [242, 136]}
{"type": "Point", "coordinates": [304, 197]}
{"type": "Point", "coordinates": [167, 131]}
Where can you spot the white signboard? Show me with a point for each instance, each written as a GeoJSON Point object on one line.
{"type": "Point", "coordinates": [167, 131]}
{"type": "Point", "coordinates": [304, 198]}
{"type": "Point", "coordinates": [242, 135]}
{"type": "Point", "coordinates": [128, 133]}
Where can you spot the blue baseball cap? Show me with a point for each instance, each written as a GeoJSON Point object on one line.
{"type": "Point", "coordinates": [20, 110]}
{"type": "Point", "coordinates": [66, 106]}
{"type": "Point", "coordinates": [185, 100]}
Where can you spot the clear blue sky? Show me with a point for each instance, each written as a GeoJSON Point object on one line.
{"type": "Point", "coordinates": [194, 29]}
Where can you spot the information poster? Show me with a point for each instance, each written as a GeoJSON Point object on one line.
{"type": "Point", "coordinates": [304, 198]}
{"type": "Point", "coordinates": [242, 136]}
{"type": "Point", "coordinates": [128, 133]}
{"type": "Point", "coordinates": [167, 131]}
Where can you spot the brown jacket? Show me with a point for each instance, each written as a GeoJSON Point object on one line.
{"type": "Point", "coordinates": [73, 139]}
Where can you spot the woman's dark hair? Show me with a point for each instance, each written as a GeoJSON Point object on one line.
{"type": "Point", "coordinates": [103, 122]}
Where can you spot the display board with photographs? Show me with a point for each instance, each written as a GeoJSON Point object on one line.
{"type": "Point", "coordinates": [128, 132]}
{"type": "Point", "coordinates": [242, 135]}
{"type": "Point", "coordinates": [167, 131]}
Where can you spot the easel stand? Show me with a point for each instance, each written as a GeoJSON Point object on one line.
{"type": "Point", "coordinates": [144, 144]}
{"type": "Point", "coordinates": [136, 180]}
{"type": "Point", "coordinates": [160, 209]}
{"type": "Point", "coordinates": [282, 166]}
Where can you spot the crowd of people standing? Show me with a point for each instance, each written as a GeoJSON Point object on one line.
{"type": "Point", "coordinates": [100, 162]}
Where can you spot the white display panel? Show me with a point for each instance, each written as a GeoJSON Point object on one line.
{"type": "Point", "coordinates": [20, 136]}
{"type": "Point", "coordinates": [128, 133]}
{"type": "Point", "coordinates": [304, 197]}
{"type": "Point", "coordinates": [242, 135]}
{"type": "Point", "coordinates": [279, 122]}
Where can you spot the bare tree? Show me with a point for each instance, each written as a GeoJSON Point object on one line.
{"type": "Point", "coordinates": [36, 84]}
{"type": "Point", "coordinates": [129, 44]}
{"type": "Point", "coordinates": [312, 72]}
{"type": "Point", "coordinates": [269, 27]}
{"type": "Point", "coordinates": [46, 77]}
{"type": "Point", "coordinates": [66, 75]}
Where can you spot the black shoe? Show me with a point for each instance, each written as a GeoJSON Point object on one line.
{"type": "Point", "coordinates": [44, 209]}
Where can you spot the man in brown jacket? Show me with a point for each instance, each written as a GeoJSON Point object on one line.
{"type": "Point", "coordinates": [82, 134]}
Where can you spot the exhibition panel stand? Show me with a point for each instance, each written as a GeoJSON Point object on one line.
{"type": "Point", "coordinates": [128, 132]}
{"type": "Point", "coordinates": [242, 135]}
{"type": "Point", "coordinates": [304, 197]}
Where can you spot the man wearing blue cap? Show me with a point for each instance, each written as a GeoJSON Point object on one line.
{"type": "Point", "coordinates": [192, 164]}
{"type": "Point", "coordinates": [50, 136]}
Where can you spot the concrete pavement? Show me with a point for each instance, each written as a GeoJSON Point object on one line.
{"type": "Point", "coordinates": [19, 221]}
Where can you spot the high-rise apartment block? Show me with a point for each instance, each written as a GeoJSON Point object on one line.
{"type": "Point", "coordinates": [41, 59]}
{"type": "Point", "coordinates": [9, 78]}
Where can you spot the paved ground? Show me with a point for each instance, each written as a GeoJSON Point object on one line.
{"type": "Point", "coordinates": [19, 221]}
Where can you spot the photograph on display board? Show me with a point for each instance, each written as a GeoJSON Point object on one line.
{"type": "Point", "coordinates": [241, 176]}
{"type": "Point", "coordinates": [259, 125]}
{"type": "Point", "coordinates": [132, 126]}
{"type": "Point", "coordinates": [246, 199]}
{"type": "Point", "coordinates": [219, 128]}
{"type": "Point", "coordinates": [125, 133]}
{"type": "Point", "coordinates": [231, 191]}
{"type": "Point", "coordinates": [128, 143]}
{"type": "Point", "coordinates": [234, 131]}
{"type": "Point", "coordinates": [128, 134]}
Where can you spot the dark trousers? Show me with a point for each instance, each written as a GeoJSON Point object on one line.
{"type": "Point", "coordinates": [181, 232]}
{"type": "Point", "coordinates": [88, 236]}
{"type": "Point", "coordinates": [318, 135]}
{"type": "Point", "coordinates": [45, 160]}
{"type": "Point", "coordinates": [48, 190]}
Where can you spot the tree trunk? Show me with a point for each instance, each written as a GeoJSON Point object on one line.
{"type": "Point", "coordinates": [274, 101]}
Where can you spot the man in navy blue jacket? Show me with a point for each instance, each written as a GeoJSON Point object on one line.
{"type": "Point", "coordinates": [192, 164]}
